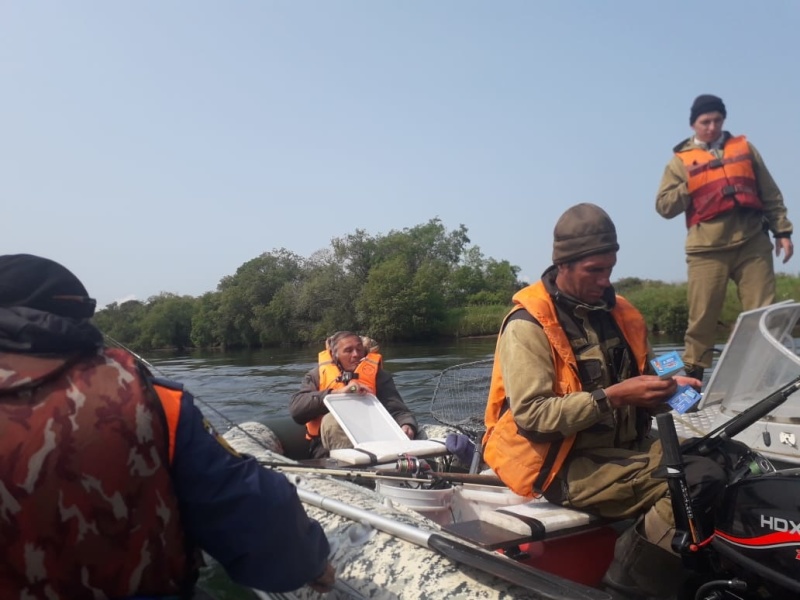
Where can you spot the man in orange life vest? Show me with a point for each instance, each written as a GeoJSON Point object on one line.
{"type": "Point", "coordinates": [731, 204]}
{"type": "Point", "coordinates": [572, 398]}
{"type": "Point", "coordinates": [111, 479]}
{"type": "Point", "coordinates": [344, 367]}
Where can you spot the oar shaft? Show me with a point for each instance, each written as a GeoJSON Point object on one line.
{"type": "Point", "coordinates": [545, 585]}
{"type": "Point", "coordinates": [409, 533]}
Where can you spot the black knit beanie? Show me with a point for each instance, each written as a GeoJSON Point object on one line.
{"type": "Point", "coordinates": [583, 230]}
{"type": "Point", "coordinates": [706, 103]}
{"type": "Point", "coordinates": [42, 284]}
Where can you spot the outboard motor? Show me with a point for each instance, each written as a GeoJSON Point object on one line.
{"type": "Point", "coordinates": [758, 530]}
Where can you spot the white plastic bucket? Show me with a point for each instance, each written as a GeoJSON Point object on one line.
{"type": "Point", "coordinates": [470, 500]}
{"type": "Point", "coordinates": [434, 504]}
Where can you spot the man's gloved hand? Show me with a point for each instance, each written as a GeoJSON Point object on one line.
{"type": "Point", "coordinates": [461, 446]}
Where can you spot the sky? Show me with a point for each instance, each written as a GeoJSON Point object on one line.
{"type": "Point", "coordinates": [156, 146]}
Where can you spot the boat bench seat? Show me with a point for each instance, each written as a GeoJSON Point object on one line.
{"type": "Point", "coordinates": [532, 521]}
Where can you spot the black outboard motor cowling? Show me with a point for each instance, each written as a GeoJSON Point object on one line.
{"type": "Point", "coordinates": [758, 527]}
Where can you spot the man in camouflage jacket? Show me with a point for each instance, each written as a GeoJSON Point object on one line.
{"type": "Point", "coordinates": [110, 479]}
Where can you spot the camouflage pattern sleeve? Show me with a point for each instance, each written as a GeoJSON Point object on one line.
{"type": "Point", "coordinates": [246, 517]}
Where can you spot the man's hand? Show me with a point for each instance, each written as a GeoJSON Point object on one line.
{"type": "Point", "coordinates": [690, 381]}
{"type": "Point", "coordinates": [408, 430]}
{"type": "Point", "coordinates": [785, 244]}
{"type": "Point", "coordinates": [324, 583]}
{"type": "Point", "coordinates": [353, 388]}
{"type": "Point", "coordinates": [647, 391]}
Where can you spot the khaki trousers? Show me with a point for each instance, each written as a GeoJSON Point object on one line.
{"type": "Point", "coordinates": [332, 434]}
{"type": "Point", "coordinates": [749, 267]}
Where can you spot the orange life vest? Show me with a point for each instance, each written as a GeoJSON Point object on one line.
{"type": "Point", "coordinates": [330, 379]}
{"type": "Point", "coordinates": [87, 504]}
{"type": "Point", "coordinates": [718, 185]}
{"type": "Point", "coordinates": [525, 466]}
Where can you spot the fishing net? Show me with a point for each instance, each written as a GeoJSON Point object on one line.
{"type": "Point", "coordinates": [459, 398]}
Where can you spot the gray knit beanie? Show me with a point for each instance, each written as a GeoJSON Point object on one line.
{"type": "Point", "coordinates": [583, 230]}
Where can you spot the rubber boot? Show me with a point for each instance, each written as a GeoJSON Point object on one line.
{"type": "Point", "coordinates": [643, 571]}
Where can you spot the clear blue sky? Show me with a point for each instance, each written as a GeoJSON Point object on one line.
{"type": "Point", "coordinates": [156, 146]}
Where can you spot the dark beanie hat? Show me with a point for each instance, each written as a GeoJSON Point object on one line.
{"type": "Point", "coordinates": [42, 284]}
{"type": "Point", "coordinates": [706, 103]}
{"type": "Point", "coordinates": [583, 230]}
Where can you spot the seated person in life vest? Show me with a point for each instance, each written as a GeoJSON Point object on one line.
{"type": "Point", "coordinates": [344, 367]}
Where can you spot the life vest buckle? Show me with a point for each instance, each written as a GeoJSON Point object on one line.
{"type": "Point", "coordinates": [347, 376]}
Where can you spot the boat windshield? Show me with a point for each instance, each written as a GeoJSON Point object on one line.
{"type": "Point", "coordinates": [760, 356]}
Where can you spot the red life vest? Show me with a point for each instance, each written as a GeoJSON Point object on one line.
{"type": "Point", "coordinates": [525, 466]}
{"type": "Point", "coordinates": [87, 507]}
{"type": "Point", "coordinates": [718, 185]}
{"type": "Point", "coordinates": [330, 379]}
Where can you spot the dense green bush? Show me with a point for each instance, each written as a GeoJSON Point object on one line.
{"type": "Point", "coordinates": [475, 320]}
{"type": "Point", "coordinates": [406, 285]}
{"type": "Point", "coordinates": [663, 306]}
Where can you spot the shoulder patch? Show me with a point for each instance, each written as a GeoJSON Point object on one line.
{"type": "Point", "coordinates": [220, 440]}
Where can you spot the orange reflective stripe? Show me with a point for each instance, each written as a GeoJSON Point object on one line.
{"type": "Point", "coordinates": [171, 403]}
{"type": "Point", "coordinates": [718, 185]}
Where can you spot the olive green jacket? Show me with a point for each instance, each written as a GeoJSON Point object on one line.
{"type": "Point", "coordinates": [733, 228]}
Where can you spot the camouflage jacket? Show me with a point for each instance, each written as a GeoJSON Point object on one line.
{"type": "Point", "coordinates": [87, 508]}
{"type": "Point", "coordinates": [94, 466]}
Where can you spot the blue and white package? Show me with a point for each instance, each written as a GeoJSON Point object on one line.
{"type": "Point", "coordinates": [667, 365]}
{"type": "Point", "coordinates": [685, 398]}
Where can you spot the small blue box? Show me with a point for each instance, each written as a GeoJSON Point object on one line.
{"type": "Point", "coordinates": [667, 364]}
{"type": "Point", "coordinates": [684, 399]}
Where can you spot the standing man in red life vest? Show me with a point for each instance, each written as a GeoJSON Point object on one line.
{"type": "Point", "coordinates": [111, 479]}
{"type": "Point", "coordinates": [731, 204]}
{"type": "Point", "coordinates": [344, 367]}
{"type": "Point", "coordinates": [571, 403]}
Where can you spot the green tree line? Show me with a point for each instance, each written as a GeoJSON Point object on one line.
{"type": "Point", "coordinates": [664, 305]}
{"type": "Point", "coordinates": [420, 283]}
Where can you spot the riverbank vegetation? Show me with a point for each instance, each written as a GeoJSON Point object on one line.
{"type": "Point", "coordinates": [420, 283]}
